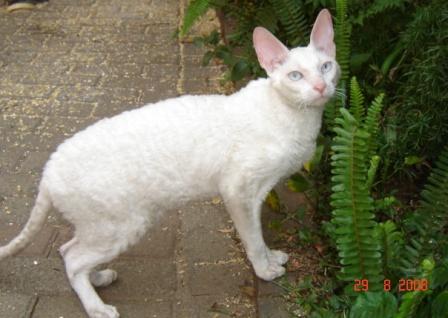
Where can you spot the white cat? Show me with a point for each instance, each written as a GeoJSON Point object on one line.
{"type": "Point", "coordinates": [112, 179]}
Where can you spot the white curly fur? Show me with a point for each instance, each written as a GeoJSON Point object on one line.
{"type": "Point", "coordinates": [112, 179]}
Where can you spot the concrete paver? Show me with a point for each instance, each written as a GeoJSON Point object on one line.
{"type": "Point", "coordinates": [63, 66]}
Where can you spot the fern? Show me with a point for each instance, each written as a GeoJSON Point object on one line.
{"type": "Point", "coordinates": [430, 218]}
{"type": "Point", "coordinates": [292, 18]}
{"type": "Point", "coordinates": [358, 246]}
{"type": "Point", "coordinates": [356, 100]}
{"type": "Point", "coordinates": [342, 38]}
{"type": "Point", "coordinates": [377, 7]}
{"type": "Point", "coordinates": [411, 300]}
{"type": "Point", "coordinates": [342, 41]}
{"type": "Point", "coordinates": [392, 242]}
{"type": "Point", "coordinates": [371, 124]}
{"type": "Point", "coordinates": [194, 11]}
{"type": "Point", "coordinates": [371, 173]}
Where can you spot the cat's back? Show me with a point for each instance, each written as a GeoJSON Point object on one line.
{"type": "Point", "coordinates": [154, 141]}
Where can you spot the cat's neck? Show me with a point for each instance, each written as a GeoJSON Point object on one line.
{"type": "Point", "coordinates": [291, 115]}
{"type": "Point", "coordinates": [263, 89]}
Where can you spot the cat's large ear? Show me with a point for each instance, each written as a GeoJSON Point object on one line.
{"type": "Point", "coordinates": [270, 51]}
{"type": "Point", "coordinates": [322, 34]}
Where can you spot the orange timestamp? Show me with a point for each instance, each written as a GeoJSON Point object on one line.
{"type": "Point", "coordinates": [404, 285]}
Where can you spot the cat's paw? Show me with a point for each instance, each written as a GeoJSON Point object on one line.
{"type": "Point", "coordinates": [271, 272]}
{"type": "Point", "coordinates": [103, 278]}
{"type": "Point", "coordinates": [277, 257]}
{"type": "Point", "coordinates": [105, 311]}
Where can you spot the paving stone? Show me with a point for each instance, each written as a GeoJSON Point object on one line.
{"type": "Point", "coordinates": [34, 275]}
{"type": "Point", "coordinates": [55, 130]}
{"type": "Point", "coordinates": [14, 209]}
{"type": "Point", "coordinates": [141, 279]}
{"type": "Point", "coordinates": [71, 109]}
{"type": "Point", "coordinates": [70, 307]}
{"type": "Point", "coordinates": [215, 306]}
{"type": "Point", "coordinates": [25, 108]}
{"type": "Point", "coordinates": [216, 279]}
{"type": "Point", "coordinates": [19, 184]}
{"type": "Point", "coordinates": [21, 90]}
{"type": "Point", "coordinates": [9, 159]}
{"type": "Point", "coordinates": [16, 305]}
{"type": "Point", "coordinates": [39, 247]}
{"type": "Point", "coordinates": [59, 306]}
{"type": "Point", "coordinates": [272, 307]}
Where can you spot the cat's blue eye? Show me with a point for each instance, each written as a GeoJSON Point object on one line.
{"type": "Point", "coordinates": [326, 67]}
{"type": "Point", "coordinates": [295, 75]}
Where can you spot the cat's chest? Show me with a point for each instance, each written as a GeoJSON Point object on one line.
{"type": "Point", "coordinates": [281, 150]}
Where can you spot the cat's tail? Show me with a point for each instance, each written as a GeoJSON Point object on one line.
{"type": "Point", "coordinates": [37, 219]}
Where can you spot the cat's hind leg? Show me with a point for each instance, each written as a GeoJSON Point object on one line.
{"type": "Point", "coordinates": [64, 248]}
{"type": "Point", "coordinates": [80, 260]}
{"type": "Point", "coordinates": [103, 278]}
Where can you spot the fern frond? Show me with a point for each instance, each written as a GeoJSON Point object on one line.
{"type": "Point", "coordinates": [374, 162]}
{"type": "Point", "coordinates": [342, 38]}
{"type": "Point", "coordinates": [195, 9]}
{"type": "Point", "coordinates": [292, 18]}
{"type": "Point", "coordinates": [372, 123]}
{"type": "Point", "coordinates": [430, 218]}
{"type": "Point", "coordinates": [356, 100]}
{"type": "Point", "coordinates": [411, 300]}
{"type": "Point", "coordinates": [377, 7]}
{"type": "Point", "coordinates": [392, 242]}
{"type": "Point", "coordinates": [358, 246]}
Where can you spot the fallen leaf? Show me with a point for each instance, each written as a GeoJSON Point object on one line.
{"type": "Point", "coordinates": [248, 291]}
{"type": "Point", "coordinates": [225, 231]}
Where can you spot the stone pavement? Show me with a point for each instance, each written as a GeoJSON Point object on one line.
{"type": "Point", "coordinates": [63, 66]}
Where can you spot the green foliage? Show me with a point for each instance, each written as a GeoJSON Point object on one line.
{"type": "Point", "coordinates": [422, 94]}
{"type": "Point", "coordinates": [353, 215]}
{"type": "Point", "coordinates": [439, 306]}
{"type": "Point", "coordinates": [425, 224]}
{"type": "Point", "coordinates": [293, 20]}
{"type": "Point", "coordinates": [374, 304]}
{"type": "Point", "coordinates": [194, 11]}
{"type": "Point", "coordinates": [342, 39]}
{"type": "Point", "coordinates": [376, 7]}
{"type": "Point", "coordinates": [353, 169]}
{"type": "Point", "coordinates": [298, 183]}
{"type": "Point", "coordinates": [357, 100]}
{"type": "Point", "coordinates": [412, 299]}
{"type": "Point", "coordinates": [372, 124]}
{"type": "Point", "coordinates": [391, 244]}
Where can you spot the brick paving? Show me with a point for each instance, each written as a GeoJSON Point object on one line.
{"type": "Point", "coordinates": [63, 66]}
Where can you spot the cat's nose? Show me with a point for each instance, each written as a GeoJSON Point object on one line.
{"type": "Point", "coordinates": [320, 87]}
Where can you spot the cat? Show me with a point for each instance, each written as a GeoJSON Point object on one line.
{"type": "Point", "coordinates": [114, 178]}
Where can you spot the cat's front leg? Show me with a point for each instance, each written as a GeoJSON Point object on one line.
{"type": "Point", "coordinates": [245, 212]}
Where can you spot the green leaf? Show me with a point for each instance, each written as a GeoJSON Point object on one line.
{"type": "Point", "coordinates": [374, 305]}
{"type": "Point", "coordinates": [298, 183]}
{"type": "Point", "coordinates": [194, 11]}
{"type": "Point", "coordinates": [412, 160]}
{"type": "Point", "coordinates": [207, 58]}
{"type": "Point", "coordinates": [239, 70]}
{"type": "Point", "coordinates": [273, 201]}
{"type": "Point", "coordinates": [439, 308]}
{"type": "Point", "coordinates": [275, 225]}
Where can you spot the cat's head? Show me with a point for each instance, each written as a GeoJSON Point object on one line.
{"type": "Point", "coordinates": [303, 75]}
